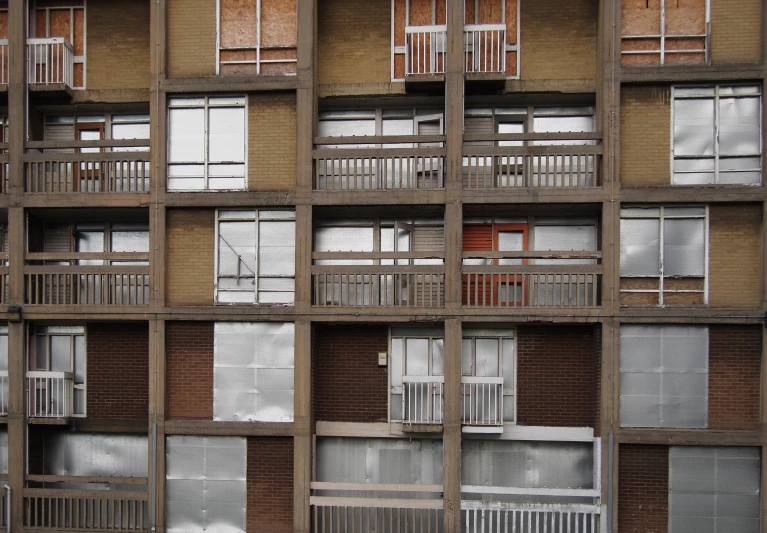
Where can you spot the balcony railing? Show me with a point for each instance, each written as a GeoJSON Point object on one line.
{"type": "Point", "coordinates": [50, 61]}
{"type": "Point", "coordinates": [537, 166]}
{"type": "Point", "coordinates": [123, 168]}
{"type": "Point", "coordinates": [509, 517]}
{"type": "Point", "coordinates": [112, 283]}
{"type": "Point", "coordinates": [482, 402]}
{"type": "Point", "coordinates": [49, 394]}
{"type": "Point", "coordinates": [4, 61]}
{"type": "Point", "coordinates": [425, 49]}
{"type": "Point", "coordinates": [399, 508]}
{"type": "Point", "coordinates": [422, 399]}
{"type": "Point", "coordinates": [484, 47]}
{"type": "Point", "coordinates": [501, 279]}
{"type": "Point", "coordinates": [3, 392]}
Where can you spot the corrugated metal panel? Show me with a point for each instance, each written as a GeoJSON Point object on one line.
{"type": "Point", "coordinates": [479, 126]}
{"type": "Point", "coordinates": [91, 454]}
{"type": "Point", "coordinates": [428, 238]}
{"type": "Point", "coordinates": [60, 132]}
{"type": "Point", "coordinates": [57, 238]}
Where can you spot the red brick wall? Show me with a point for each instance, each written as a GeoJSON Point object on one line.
{"type": "Point", "coordinates": [270, 485]}
{"type": "Point", "coordinates": [557, 370]}
{"type": "Point", "coordinates": [349, 386]}
{"type": "Point", "coordinates": [118, 371]}
{"type": "Point", "coordinates": [189, 369]}
{"type": "Point", "coordinates": [642, 489]}
{"type": "Point", "coordinates": [734, 364]}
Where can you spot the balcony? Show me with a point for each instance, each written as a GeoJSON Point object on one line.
{"type": "Point", "coordinates": [110, 166]}
{"type": "Point", "coordinates": [87, 278]}
{"type": "Point", "coordinates": [348, 168]}
{"type": "Point", "coordinates": [425, 52]}
{"type": "Point", "coordinates": [479, 516]}
{"type": "Point", "coordinates": [484, 47]}
{"type": "Point", "coordinates": [533, 167]}
{"type": "Point", "coordinates": [505, 279]}
{"type": "Point", "coordinates": [50, 64]}
{"type": "Point", "coordinates": [422, 401]}
{"type": "Point", "coordinates": [482, 410]}
{"type": "Point", "coordinates": [49, 394]}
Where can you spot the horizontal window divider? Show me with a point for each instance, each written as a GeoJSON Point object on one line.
{"type": "Point", "coordinates": [87, 269]}
{"type": "Point", "coordinates": [377, 255]}
{"type": "Point", "coordinates": [533, 255]}
{"type": "Point", "coordinates": [90, 494]}
{"type": "Point", "coordinates": [477, 379]}
{"type": "Point", "coordinates": [88, 479]}
{"type": "Point", "coordinates": [547, 136]}
{"type": "Point", "coordinates": [379, 139]}
{"type": "Point", "coordinates": [94, 157]}
{"type": "Point", "coordinates": [484, 27]}
{"type": "Point", "coordinates": [532, 269]}
{"type": "Point", "coordinates": [102, 143]}
{"type": "Point", "coordinates": [383, 487]}
{"type": "Point", "coordinates": [333, 501]}
{"type": "Point", "coordinates": [70, 256]}
{"type": "Point", "coordinates": [377, 269]}
{"type": "Point", "coordinates": [510, 151]}
{"type": "Point", "coordinates": [531, 491]}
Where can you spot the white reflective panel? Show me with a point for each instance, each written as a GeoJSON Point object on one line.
{"type": "Point", "coordinates": [92, 454]}
{"type": "Point", "coordinates": [130, 131]}
{"type": "Point", "coordinates": [346, 128]}
{"type": "Point", "coordinates": [396, 368]}
{"type": "Point", "coordinates": [397, 127]}
{"type": "Point", "coordinates": [227, 100]}
{"type": "Point", "coordinates": [684, 251]}
{"type": "Point", "coordinates": [4, 451]}
{"type": "Point", "coordinates": [130, 241]}
{"type": "Point", "coordinates": [565, 238]}
{"type": "Point", "coordinates": [740, 170]}
{"type": "Point", "coordinates": [343, 239]}
{"type": "Point", "coordinates": [277, 248]}
{"type": "Point", "coordinates": [417, 361]}
{"type": "Point", "coordinates": [640, 247]}
{"type": "Point", "coordinates": [694, 127]}
{"type": "Point", "coordinates": [186, 135]}
{"type": "Point", "coordinates": [438, 357]}
{"type": "Point", "coordinates": [487, 357]}
{"type": "Point", "coordinates": [226, 134]}
{"type": "Point", "coordinates": [237, 249]}
{"type": "Point", "coordinates": [739, 126]}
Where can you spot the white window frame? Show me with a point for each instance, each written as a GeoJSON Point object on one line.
{"type": "Point", "coordinates": [73, 332]}
{"type": "Point", "coordinates": [675, 90]}
{"type": "Point", "coordinates": [510, 334]}
{"type": "Point", "coordinates": [254, 215]}
{"type": "Point", "coordinates": [661, 276]}
{"type": "Point", "coordinates": [206, 103]}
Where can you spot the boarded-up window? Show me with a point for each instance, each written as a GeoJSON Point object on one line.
{"type": "Point", "coordinates": [257, 37]}
{"type": "Point", "coordinates": [53, 18]}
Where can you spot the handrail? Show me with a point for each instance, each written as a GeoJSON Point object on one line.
{"type": "Point", "coordinates": [378, 255]}
{"type": "Point", "coordinates": [393, 503]}
{"type": "Point", "coordinates": [49, 40]}
{"type": "Point", "coordinates": [88, 479]}
{"type": "Point", "coordinates": [101, 143]}
{"type": "Point", "coordinates": [531, 254]}
{"type": "Point", "coordinates": [48, 374]}
{"type": "Point", "coordinates": [532, 269]}
{"type": "Point", "coordinates": [86, 493]}
{"type": "Point", "coordinates": [531, 491]}
{"type": "Point", "coordinates": [70, 256]}
{"type": "Point", "coordinates": [482, 379]}
{"type": "Point", "coordinates": [423, 29]}
{"type": "Point", "coordinates": [542, 136]}
{"type": "Point", "coordinates": [380, 487]}
{"type": "Point", "coordinates": [380, 139]}
{"type": "Point", "coordinates": [378, 269]}
{"type": "Point", "coordinates": [423, 379]}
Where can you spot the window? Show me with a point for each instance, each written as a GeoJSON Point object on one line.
{"type": "Point", "coordinates": [66, 20]}
{"type": "Point", "coordinates": [417, 368]}
{"type": "Point", "coordinates": [664, 376]}
{"type": "Point", "coordinates": [255, 256]}
{"type": "Point", "coordinates": [713, 489]}
{"type": "Point", "coordinates": [376, 122]}
{"type": "Point", "coordinates": [664, 255]}
{"type": "Point", "coordinates": [488, 363]}
{"type": "Point", "coordinates": [207, 143]}
{"type": "Point", "coordinates": [253, 371]}
{"type": "Point", "coordinates": [205, 480]}
{"type": "Point", "coordinates": [57, 361]}
{"type": "Point", "coordinates": [717, 135]}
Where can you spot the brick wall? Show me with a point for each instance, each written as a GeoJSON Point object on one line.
{"type": "Point", "coordinates": [270, 485]}
{"type": "Point", "coordinates": [642, 489]}
{"type": "Point", "coordinates": [558, 39]}
{"type": "Point", "coordinates": [557, 370]}
{"type": "Point", "coordinates": [118, 45]}
{"type": "Point", "coordinates": [736, 31]}
{"type": "Point", "coordinates": [349, 386]}
{"type": "Point", "coordinates": [191, 38]}
{"type": "Point", "coordinates": [118, 371]}
{"type": "Point", "coordinates": [271, 142]}
{"type": "Point", "coordinates": [189, 370]}
{"type": "Point", "coordinates": [734, 365]}
{"type": "Point", "coordinates": [735, 258]}
{"type": "Point", "coordinates": [354, 41]}
{"type": "Point", "coordinates": [645, 136]}
{"type": "Point", "coordinates": [190, 257]}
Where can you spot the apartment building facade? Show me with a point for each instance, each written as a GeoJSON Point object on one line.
{"type": "Point", "coordinates": [382, 265]}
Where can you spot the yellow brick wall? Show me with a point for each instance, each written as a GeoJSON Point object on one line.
{"type": "Point", "coordinates": [191, 38]}
{"type": "Point", "coordinates": [736, 31]}
{"type": "Point", "coordinates": [117, 45]}
{"type": "Point", "coordinates": [271, 142]}
{"type": "Point", "coordinates": [189, 257]}
{"type": "Point", "coordinates": [735, 257]}
{"type": "Point", "coordinates": [354, 41]}
{"type": "Point", "coordinates": [558, 39]}
{"type": "Point", "coordinates": [645, 136]}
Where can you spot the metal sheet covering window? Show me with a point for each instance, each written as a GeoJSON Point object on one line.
{"type": "Point", "coordinates": [717, 135]}
{"type": "Point", "coordinates": [205, 484]}
{"type": "Point", "coordinates": [664, 376]}
{"type": "Point", "coordinates": [207, 143]}
{"type": "Point", "coordinates": [255, 256]}
{"type": "Point", "coordinates": [253, 371]}
{"type": "Point", "coordinates": [95, 454]}
{"type": "Point", "coordinates": [713, 490]}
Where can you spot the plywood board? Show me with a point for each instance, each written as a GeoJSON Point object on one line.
{"type": "Point", "coordinates": [511, 23]}
{"type": "Point", "coordinates": [279, 23]}
{"type": "Point", "coordinates": [686, 284]}
{"type": "Point", "coordinates": [491, 11]}
{"type": "Point", "coordinates": [399, 23]}
{"type": "Point", "coordinates": [238, 23]}
{"type": "Point", "coordinates": [399, 66]}
{"type": "Point", "coordinates": [59, 3]}
{"type": "Point", "coordinates": [469, 12]}
{"type": "Point", "coordinates": [78, 75]}
{"type": "Point", "coordinates": [678, 43]}
{"type": "Point", "coordinates": [238, 70]}
{"type": "Point", "coordinates": [640, 44]}
{"type": "Point", "coordinates": [511, 64]}
{"type": "Point", "coordinates": [60, 23]}
{"type": "Point", "coordinates": [441, 12]}
{"type": "Point", "coordinates": [278, 68]}
{"type": "Point", "coordinates": [686, 59]}
{"type": "Point", "coordinates": [683, 298]}
{"type": "Point", "coordinates": [420, 12]}
{"type": "Point", "coordinates": [3, 25]}
{"type": "Point", "coordinates": [639, 298]}
{"type": "Point", "coordinates": [685, 17]}
{"type": "Point", "coordinates": [41, 29]}
{"type": "Point", "coordinates": [640, 17]}
{"type": "Point", "coordinates": [639, 283]}
{"type": "Point", "coordinates": [79, 32]}
{"type": "Point", "coordinates": [640, 59]}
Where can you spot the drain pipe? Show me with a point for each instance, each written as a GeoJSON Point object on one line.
{"type": "Point", "coordinates": [7, 508]}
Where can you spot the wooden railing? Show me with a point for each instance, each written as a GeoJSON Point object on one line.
{"type": "Point", "coordinates": [535, 166]}
{"type": "Point", "coordinates": [71, 283]}
{"type": "Point", "coordinates": [482, 401]}
{"type": "Point", "coordinates": [503, 279]}
{"type": "Point", "coordinates": [484, 48]}
{"type": "Point", "coordinates": [351, 514]}
{"type": "Point", "coordinates": [425, 49]}
{"type": "Point", "coordinates": [96, 167]}
{"type": "Point", "coordinates": [50, 61]}
{"type": "Point", "coordinates": [49, 394]}
{"type": "Point", "coordinates": [422, 399]}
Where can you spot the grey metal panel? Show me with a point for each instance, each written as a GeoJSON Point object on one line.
{"type": "Point", "coordinates": [640, 247]}
{"type": "Point", "coordinates": [343, 239]}
{"type": "Point", "coordinates": [684, 247]}
{"type": "Point", "coordinates": [90, 454]}
{"type": "Point", "coordinates": [186, 135]}
{"type": "Point", "coordinates": [226, 134]}
{"type": "Point", "coordinates": [694, 127]}
{"type": "Point", "coordinates": [739, 126]}
{"type": "Point", "coordinates": [276, 248]}
{"type": "Point", "coordinates": [4, 451]}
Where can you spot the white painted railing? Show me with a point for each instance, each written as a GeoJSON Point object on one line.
{"type": "Point", "coordinates": [484, 47]}
{"type": "Point", "coordinates": [49, 394]}
{"type": "Point", "coordinates": [4, 61]}
{"type": "Point", "coordinates": [506, 168]}
{"type": "Point", "coordinates": [3, 392]}
{"type": "Point", "coordinates": [386, 286]}
{"type": "Point", "coordinates": [482, 401]}
{"type": "Point", "coordinates": [425, 49]}
{"type": "Point", "coordinates": [422, 399]}
{"type": "Point", "coordinates": [509, 517]}
{"type": "Point", "coordinates": [50, 61]}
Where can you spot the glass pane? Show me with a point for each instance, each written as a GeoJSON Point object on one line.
{"type": "Point", "coordinates": [511, 241]}
{"type": "Point", "coordinates": [417, 363]}
{"type": "Point", "coordinates": [487, 358]}
{"type": "Point", "coordinates": [41, 353]}
{"type": "Point", "coordinates": [277, 245]}
{"type": "Point", "coordinates": [694, 127]}
{"type": "Point", "coordinates": [237, 249]}
{"type": "Point", "coordinates": [130, 241]}
{"type": "Point", "coordinates": [79, 359]}
{"type": "Point", "coordinates": [130, 131]}
{"type": "Point", "coordinates": [508, 364]}
{"type": "Point", "coordinates": [466, 357]}
{"type": "Point", "coordinates": [438, 357]}
{"type": "Point", "coordinates": [640, 247]}
{"type": "Point", "coordinates": [186, 135]}
{"type": "Point", "coordinates": [226, 137]}
{"type": "Point", "coordinates": [341, 239]}
{"type": "Point", "coordinates": [683, 247]}
{"type": "Point", "coordinates": [739, 126]}
{"type": "Point", "coordinates": [61, 353]}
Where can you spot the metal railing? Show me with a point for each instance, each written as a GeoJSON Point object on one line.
{"type": "Point", "coordinates": [482, 401]}
{"type": "Point", "coordinates": [425, 49]}
{"type": "Point", "coordinates": [3, 392]}
{"type": "Point", "coordinates": [509, 517]}
{"type": "Point", "coordinates": [422, 399]}
{"type": "Point", "coordinates": [50, 61]}
{"type": "Point", "coordinates": [4, 61]}
{"type": "Point", "coordinates": [123, 168]}
{"type": "Point", "coordinates": [49, 394]}
{"type": "Point", "coordinates": [85, 510]}
{"type": "Point", "coordinates": [484, 48]}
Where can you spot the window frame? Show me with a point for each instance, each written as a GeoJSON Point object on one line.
{"type": "Point", "coordinates": [717, 156]}
{"type": "Point", "coordinates": [505, 334]}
